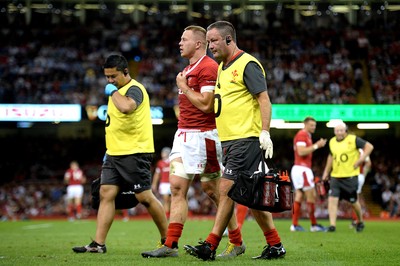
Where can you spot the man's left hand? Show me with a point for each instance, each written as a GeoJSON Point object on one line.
{"type": "Point", "coordinates": [266, 144]}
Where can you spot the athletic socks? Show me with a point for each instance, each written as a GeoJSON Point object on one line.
{"type": "Point", "coordinates": [214, 240]}
{"type": "Point", "coordinates": [272, 237]}
{"type": "Point", "coordinates": [174, 232]}
{"type": "Point", "coordinates": [235, 237]}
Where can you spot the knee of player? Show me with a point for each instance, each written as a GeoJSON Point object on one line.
{"type": "Point", "coordinates": [147, 198]}
{"type": "Point", "coordinates": [224, 186]}
{"type": "Point", "coordinates": [177, 170]}
{"type": "Point", "coordinates": [107, 192]}
{"type": "Point", "coordinates": [178, 192]}
{"type": "Point", "coordinates": [213, 194]}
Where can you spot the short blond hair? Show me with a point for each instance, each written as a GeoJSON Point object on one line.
{"type": "Point", "coordinates": [198, 31]}
{"type": "Point", "coordinates": [196, 28]}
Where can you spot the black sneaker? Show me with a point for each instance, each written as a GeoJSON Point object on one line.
{"type": "Point", "coordinates": [359, 227]}
{"type": "Point", "coordinates": [331, 228]}
{"type": "Point", "coordinates": [272, 252]}
{"type": "Point", "coordinates": [353, 224]}
{"type": "Point", "coordinates": [202, 251]}
{"type": "Point", "coordinates": [92, 248]}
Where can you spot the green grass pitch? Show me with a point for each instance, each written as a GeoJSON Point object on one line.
{"type": "Point", "coordinates": [49, 242]}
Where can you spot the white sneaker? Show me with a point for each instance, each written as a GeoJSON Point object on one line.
{"type": "Point", "coordinates": [317, 228]}
{"type": "Point", "coordinates": [297, 228]}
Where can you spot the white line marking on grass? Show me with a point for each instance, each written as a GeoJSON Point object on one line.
{"type": "Point", "coordinates": [36, 226]}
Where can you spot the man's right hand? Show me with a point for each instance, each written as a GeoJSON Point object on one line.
{"type": "Point", "coordinates": [110, 89]}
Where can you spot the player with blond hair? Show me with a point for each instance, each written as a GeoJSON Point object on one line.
{"type": "Point", "coordinates": [196, 149]}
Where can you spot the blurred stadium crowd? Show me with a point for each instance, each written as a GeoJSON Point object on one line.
{"type": "Point", "coordinates": [61, 63]}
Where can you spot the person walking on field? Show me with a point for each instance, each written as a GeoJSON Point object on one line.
{"type": "Point", "coordinates": [365, 168]}
{"type": "Point", "coordinates": [342, 168]}
{"type": "Point", "coordinates": [243, 116]}
{"type": "Point", "coordinates": [302, 175]}
{"type": "Point", "coordinates": [196, 149]}
{"type": "Point", "coordinates": [74, 178]}
{"type": "Point", "coordinates": [130, 148]}
{"type": "Point", "coordinates": [160, 181]}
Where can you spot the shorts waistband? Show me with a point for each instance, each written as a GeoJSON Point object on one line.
{"type": "Point", "coordinates": [184, 130]}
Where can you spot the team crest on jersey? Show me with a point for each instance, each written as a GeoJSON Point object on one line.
{"type": "Point", "coordinates": [191, 82]}
{"type": "Point", "coordinates": [234, 76]}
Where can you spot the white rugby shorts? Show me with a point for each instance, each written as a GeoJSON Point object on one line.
{"type": "Point", "coordinates": [196, 148]}
{"type": "Point", "coordinates": [302, 177]}
{"type": "Point", "coordinates": [361, 181]}
{"type": "Point", "coordinates": [74, 191]}
{"type": "Point", "coordinates": [164, 189]}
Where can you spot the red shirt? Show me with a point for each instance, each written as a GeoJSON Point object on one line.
{"type": "Point", "coordinates": [75, 177]}
{"type": "Point", "coordinates": [162, 167]}
{"type": "Point", "coordinates": [202, 74]}
{"type": "Point", "coordinates": [302, 138]}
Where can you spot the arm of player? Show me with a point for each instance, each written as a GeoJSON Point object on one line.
{"type": "Point", "coordinates": [84, 179]}
{"type": "Point", "coordinates": [367, 166]}
{"type": "Point", "coordinates": [67, 176]}
{"type": "Point", "coordinates": [156, 179]}
{"type": "Point", "coordinates": [303, 151]}
{"type": "Point", "coordinates": [328, 168]}
{"type": "Point", "coordinates": [266, 110]}
{"type": "Point", "coordinates": [203, 101]}
{"type": "Point", "coordinates": [366, 152]}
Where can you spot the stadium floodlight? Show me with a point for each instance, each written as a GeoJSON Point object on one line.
{"type": "Point", "coordinates": [89, 6]}
{"type": "Point", "coordinates": [393, 7]}
{"type": "Point", "coordinates": [281, 124]}
{"type": "Point", "coordinates": [333, 123]}
{"type": "Point", "coordinates": [128, 8]}
{"type": "Point", "coordinates": [290, 126]}
{"type": "Point", "coordinates": [373, 126]}
{"type": "Point", "coordinates": [344, 8]}
{"type": "Point", "coordinates": [156, 121]}
{"type": "Point", "coordinates": [276, 122]}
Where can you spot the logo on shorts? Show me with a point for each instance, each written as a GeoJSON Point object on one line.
{"type": "Point", "coordinates": [229, 171]}
{"type": "Point", "coordinates": [138, 186]}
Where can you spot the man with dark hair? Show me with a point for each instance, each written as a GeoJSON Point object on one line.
{"type": "Point", "coordinates": [130, 148]}
{"type": "Point", "coordinates": [243, 116]}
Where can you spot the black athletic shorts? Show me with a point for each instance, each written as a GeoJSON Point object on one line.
{"type": "Point", "coordinates": [344, 188]}
{"type": "Point", "coordinates": [133, 169]}
{"type": "Point", "coordinates": [242, 155]}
